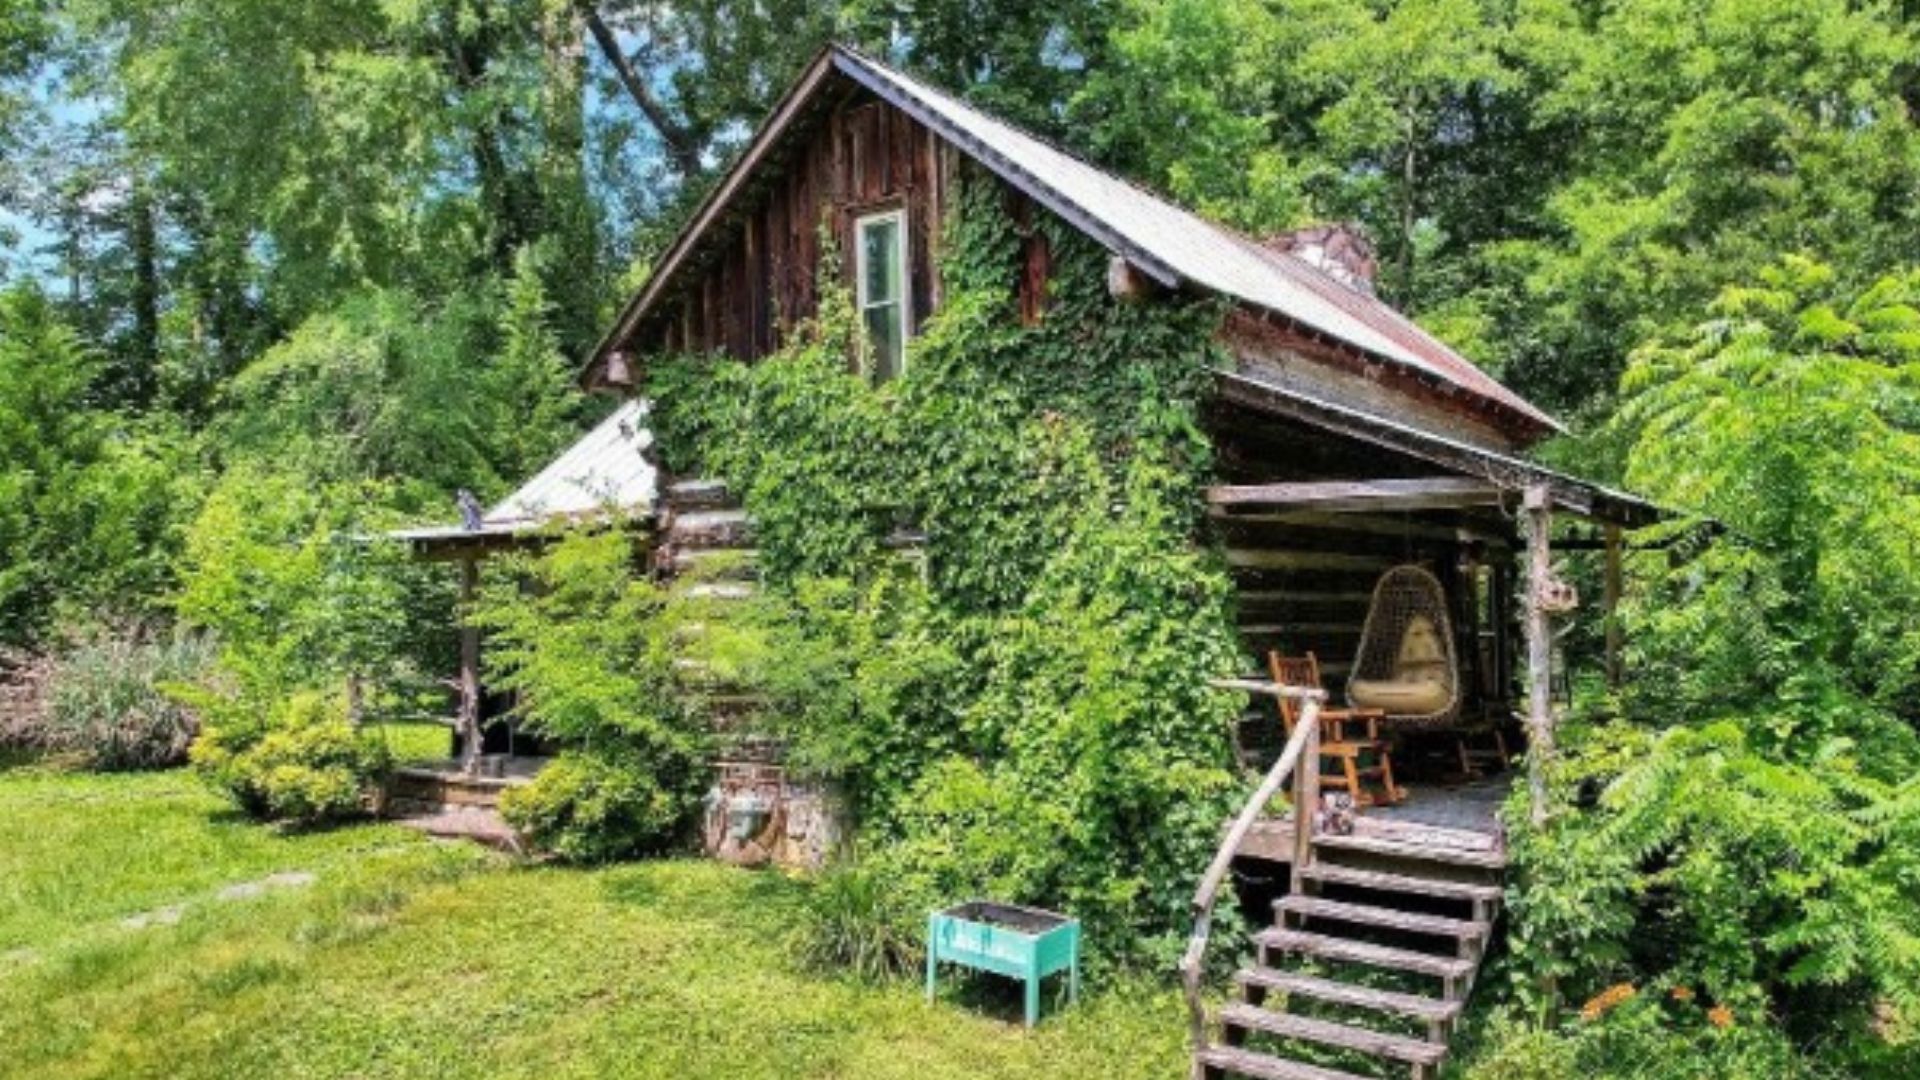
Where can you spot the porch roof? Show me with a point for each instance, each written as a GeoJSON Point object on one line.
{"type": "Point", "coordinates": [1485, 477]}
{"type": "Point", "coordinates": [605, 473]}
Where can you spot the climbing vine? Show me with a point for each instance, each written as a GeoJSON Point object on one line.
{"type": "Point", "coordinates": [1029, 717]}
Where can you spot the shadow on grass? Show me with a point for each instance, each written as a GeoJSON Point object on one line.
{"type": "Point", "coordinates": [997, 997]}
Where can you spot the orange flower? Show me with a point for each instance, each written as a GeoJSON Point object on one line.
{"type": "Point", "coordinates": [1683, 993]}
{"type": "Point", "coordinates": [1720, 1016]}
{"type": "Point", "coordinates": [1606, 1000]}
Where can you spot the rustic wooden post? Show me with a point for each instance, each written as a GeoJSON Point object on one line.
{"type": "Point", "coordinates": [469, 717]}
{"type": "Point", "coordinates": [1306, 791]}
{"type": "Point", "coordinates": [1610, 604]}
{"type": "Point", "coordinates": [1539, 632]}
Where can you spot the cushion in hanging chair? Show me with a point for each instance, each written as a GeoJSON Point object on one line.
{"type": "Point", "coordinates": [1419, 683]}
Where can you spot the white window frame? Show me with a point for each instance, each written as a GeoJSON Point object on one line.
{"type": "Point", "coordinates": [897, 215]}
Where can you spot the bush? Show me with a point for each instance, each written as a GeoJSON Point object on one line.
{"type": "Point", "coordinates": [1630, 1033]}
{"type": "Point", "coordinates": [590, 650]}
{"type": "Point", "coordinates": [300, 761]}
{"type": "Point", "coordinates": [104, 703]}
{"type": "Point", "coordinates": [597, 807]}
{"type": "Point", "coordinates": [862, 921]}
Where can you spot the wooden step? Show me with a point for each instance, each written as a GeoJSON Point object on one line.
{"type": "Point", "coordinates": [1293, 984]}
{"type": "Point", "coordinates": [1380, 881]}
{"type": "Point", "coordinates": [1328, 1033]}
{"type": "Point", "coordinates": [1411, 922]}
{"type": "Point", "coordinates": [698, 495]}
{"type": "Point", "coordinates": [1486, 860]}
{"type": "Point", "coordinates": [1239, 1061]}
{"type": "Point", "coordinates": [1360, 952]}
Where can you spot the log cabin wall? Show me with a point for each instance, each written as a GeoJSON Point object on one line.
{"type": "Point", "coordinates": [757, 277]}
{"type": "Point", "coordinates": [1304, 578]}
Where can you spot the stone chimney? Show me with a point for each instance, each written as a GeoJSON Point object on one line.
{"type": "Point", "coordinates": [1339, 250]}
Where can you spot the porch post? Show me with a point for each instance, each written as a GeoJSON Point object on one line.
{"type": "Point", "coordinates": [469, 717]}
{"type": "Point", "coordinates": [1611, 609]}
{"type": "Point", "coordinates": [1539, 520]}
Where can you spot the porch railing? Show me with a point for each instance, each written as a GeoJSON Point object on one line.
{"type": "Point", "coordinates": [1302, 745]}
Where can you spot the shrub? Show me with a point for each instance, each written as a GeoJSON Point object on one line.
{"type": "Point", "coordinates": [104, 702]}
{"type": "Point", "coordinates": [299, 761]}
{"type": "Point", "coordinates": [596, 807]}
{"type": "Point", "coordinates": [1638, 1034]}
{"type": "Point", "coordinates": [861, 920]}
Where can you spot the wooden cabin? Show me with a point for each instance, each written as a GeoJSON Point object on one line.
{"type": "Point", "coordinates": [1350, 443]}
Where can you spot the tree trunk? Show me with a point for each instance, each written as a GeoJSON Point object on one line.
{"type": "Point", "coordinates": [681, 147]}
{"type": "Point", "coordinates": [1409, 213]}
{"type": "Point", "coordinates": [142, 239]}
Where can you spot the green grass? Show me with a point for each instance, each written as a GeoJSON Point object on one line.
{"type": "Point", "coordinates": [413, 740]}
{"type": "Point", "coordinates": [410, 958]}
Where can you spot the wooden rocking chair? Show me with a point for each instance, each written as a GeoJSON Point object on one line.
{"type": "Point", "coordinates": [1340, 742]}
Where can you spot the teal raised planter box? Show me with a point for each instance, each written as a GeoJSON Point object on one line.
{"type": "Point", "coordinates": [1019, 942]}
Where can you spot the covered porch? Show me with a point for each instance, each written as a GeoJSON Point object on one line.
{"type": "Point", "coordinates": [1326, 513]}
{"type": "Point", "coordinates": [604, 479]}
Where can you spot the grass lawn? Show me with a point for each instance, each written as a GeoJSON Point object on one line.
{"type": "Point", "coordinates": [146, 931]}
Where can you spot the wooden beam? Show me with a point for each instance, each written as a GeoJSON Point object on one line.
{"type": "Point", "coordinates": [1573, 496]}
{"type": "Point", "coordinates": [469, 716]}
{"type": "Point", "coordinates": [1359, 522]}
{"type": "Point", "coordinates": [1255, 559]}
{"type": "Point", "coordinates": [1539, 633]}
{"type": "Point", "coordinates": [1251, 597]}
{"type": "Point", "coordinates": [1610, 608]}
{"type": "Point", "coordinates": [1424, 493]}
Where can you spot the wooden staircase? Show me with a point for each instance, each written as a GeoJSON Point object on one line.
{"type": "Point", "coordinates": [1369, 958]}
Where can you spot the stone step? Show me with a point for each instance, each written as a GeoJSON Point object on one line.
{"type": "Point", "coordinates": [1381, 881]}
{"type": "Point", "coordinates": [1411, 922]}
{"type": "Point", "coordinates": [1432, 853]}
{"type": "Point", "coordinates": [1328, 1033]}
{"type": "Point", "coordinates": [465, 823]}
{"type": "Point", "coordinates": [1238, 1061]}
{"type": "Point", "coordinates": [1360, 952]}
{"type": "Point", "coordinates": [1293, 984]}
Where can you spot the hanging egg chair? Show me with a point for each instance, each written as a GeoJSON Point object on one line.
{"type": "Point", "coordinates": [1405, 665]}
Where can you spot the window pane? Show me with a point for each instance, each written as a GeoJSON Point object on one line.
{"type": "Point", "coordinates": [880, 239]}
{"type": "Point", "coordinates": [883, 333]}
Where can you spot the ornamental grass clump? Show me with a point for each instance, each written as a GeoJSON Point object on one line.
{"type": "Point", "coordinates": [103, 704]}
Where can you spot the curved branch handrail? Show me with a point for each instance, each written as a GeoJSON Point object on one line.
{"type": "Point", "coordinates": [1302, 745]}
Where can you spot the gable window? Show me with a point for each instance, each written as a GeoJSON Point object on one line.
{"type": "Point", "coordinates": [881, 274]}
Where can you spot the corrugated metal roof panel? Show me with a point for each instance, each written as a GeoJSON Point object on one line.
{"type": "Point", "coordinates": [604, 469]}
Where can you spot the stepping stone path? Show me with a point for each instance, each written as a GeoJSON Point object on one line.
{"type": "Point", "coordinates": [244, 890]}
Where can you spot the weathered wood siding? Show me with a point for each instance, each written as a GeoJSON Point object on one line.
{"type": "Point", "coordinates": [1304, 578]}
{"type": "Point", "coordinates": [858, 156]}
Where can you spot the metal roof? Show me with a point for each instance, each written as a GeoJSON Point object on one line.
{"type": "Point", "coordinates": [1174, 246]}
{"type": "Point", "coordinates": [1582, 497]}
{"type": "Point", "coordinates": [605, 472]}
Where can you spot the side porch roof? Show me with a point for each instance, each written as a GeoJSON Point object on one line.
{"type": "Point", "coordinates": [605, 472]}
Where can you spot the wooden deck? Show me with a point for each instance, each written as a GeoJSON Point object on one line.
{"type": "Point", "coordinates": [1460, 819]}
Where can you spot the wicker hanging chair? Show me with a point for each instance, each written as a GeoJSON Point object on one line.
{"type": "Point", "coordinates": [1406, 664]}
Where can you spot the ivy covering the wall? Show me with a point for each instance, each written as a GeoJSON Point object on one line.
{"type": "Point", "coordinates": [1028, 718]}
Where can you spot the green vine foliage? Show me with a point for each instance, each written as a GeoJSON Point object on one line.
{"type": "Point", "coordinates": [1027, 716]}
{"type": "Point", "coordinates": [1745, 834]}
